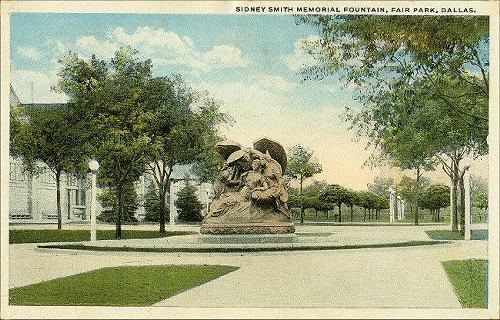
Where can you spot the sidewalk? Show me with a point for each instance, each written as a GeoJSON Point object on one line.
{"type": "Point", "coordinates": [397, 278]}
{"type": "Point", "coordinates": [385, 277]}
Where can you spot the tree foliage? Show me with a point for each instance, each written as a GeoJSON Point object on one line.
{"type": "Point", "coordinates": [335, 194]}
{"type": "Point", "coordinates": [302, 165]}
{"type": "Point", "coordinates": [184, 131]}
{"type": "Point", "coordinates": [188, 204]}
{"type": "Point", "coordinates": [139, 121]}
{"type": "Point", "coordinates": [381, 185]}
{"type": "Point", "coordinates": [109, 98]}
{"type": "Point", "coordinates": [108, 202]}
{"type": "Point", "coordinates": [49, 134]}
{"type": "Point", "coordinates": [423, 80]}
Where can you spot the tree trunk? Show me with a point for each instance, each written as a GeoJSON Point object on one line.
{"type": "Point", "coordinates": [462, 205]}
{"type": "Point", "coordinates": [340, 212]}
{"type": "Point", "coordinates": [301, 201]}
{"type": "Point", "coordinates": [162, 209]}
{"type": "Point", "coordinates": [118, 210]}
{"type": "Point", "coordinates": [453, 209]}
{"type": "Point", "coordinates": [438, 215]}
{"type": "Point", "coordinates": [351, 212]}
{"type": "Point", "coordinates": [364, 216]}
{"type": "Point", "coordinates": [58, 199]}
{"type": "Point", "coordinates": [416, 198]}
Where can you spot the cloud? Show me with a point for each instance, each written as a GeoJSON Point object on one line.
{"type": "Point", "coordinates": [90, 45]}
{"type": "Point", "coordinates": [29, 53]}
{"type": "Point", "coordinates": [225, 56]}
{"type": "Point", "coordinates": [164, 48]}
{"type": "Point", "coordinates": [277, 83]}
{"type": "Point", "coordinates": [300, 58]}
{"type": "Point", "coordinates": [22, 80]}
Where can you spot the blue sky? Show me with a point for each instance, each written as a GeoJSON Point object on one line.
{"type": "Point", "coordinates": [249, 62]}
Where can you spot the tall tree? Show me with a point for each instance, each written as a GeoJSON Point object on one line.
{"type": "Point", "coordinates": [479, 193]}
{"type": "Point", "coordinates": [380, 53]}
{"type": "Point", "coordinates": [185, 130]}
{"type": "Point", "coordinates": [109, 98]}
{"type": "Point", "coordinates": [301, 166]}
{"type": "Point", "coordinates": [49, 134]}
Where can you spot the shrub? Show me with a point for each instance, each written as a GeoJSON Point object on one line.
{"type": "Point", "coordinates": [152, 206]}
{"type": "Point", "coordinates": [108, 201]}
{"type": "Point", "coordinates": [188, 204]}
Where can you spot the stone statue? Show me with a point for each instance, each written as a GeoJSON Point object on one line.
{"type": "Point", "coordinates": [250, 193]}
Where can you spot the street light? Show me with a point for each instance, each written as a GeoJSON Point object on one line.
{"type": "Point", "coordinates": [93, 166]}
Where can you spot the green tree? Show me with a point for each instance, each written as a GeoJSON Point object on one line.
{"type": "Point", "coordinates": [184, 131]}
{"type": "Point", "coordinates": [188, 204]}
{"type": "Point", "coordinates": [381, 185]}
{"type": "Point", "coordinates": [108, 201]}
{"type": "Point", "coordinates": [110, 99]}
{"type": "Point", "coordinates": [479, 193]}
{"type": "Point", "coordinates": [301, 166]}
{"type": "Point", "coordinates": [361, 199]}
{"type": "Point", "coordinates": [51, 135]}
{"type": "Point", "coordinates": [406, 189]}
{"type": "Point", "coordinates": [152, 205]}
{"type": "Point", "coordinates": [376, 50]}
{"type": "Point", "coordinates": [449, 67]}
{"type": "Point", "coordinates": [350, 200]}
{"type": "Point", "coordinates": [335, 194]}
{"type": "Point", "coordinates": [434, 198]}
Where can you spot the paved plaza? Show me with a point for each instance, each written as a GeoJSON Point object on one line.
{"type": "Point", "coordinates": [383, 277]}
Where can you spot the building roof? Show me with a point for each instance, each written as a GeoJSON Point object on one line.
{"type": "Point", "coordinates": [15, 102]}
{"type": "Point", "coordinates": [46, 106]}
{"type": "Point", "coordinates": [13, 98]}
{"type": "Point", "coordinates": [183, 172]}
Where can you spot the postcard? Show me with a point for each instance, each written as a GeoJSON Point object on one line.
{"type": "Point", "coordinates": [249, 159]}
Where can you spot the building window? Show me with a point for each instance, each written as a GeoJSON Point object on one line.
{"type": "Point", "coordinates": [16, 172]}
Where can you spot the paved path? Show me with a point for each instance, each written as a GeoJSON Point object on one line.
{"type": "Point", "coordinates": [396, 277]}
{"type": "Point", "coordinates": [385, 277]}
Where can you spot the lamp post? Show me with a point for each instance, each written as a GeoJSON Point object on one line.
{"type": "Point", "coordinates": [468, 217]}
{"type": "Point", "coordinates": [93, 166]}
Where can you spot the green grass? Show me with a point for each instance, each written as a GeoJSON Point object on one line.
{"type": "Point", "coordinates": [469, 278]}
{"type": "Point", "coordinates": [480, 234]}
{"type": "Point", "coordinates": [117, 286]}
{"type": "Point", "coordinates": [242, 249]}
{"type": "Point", "coordinates": [54, 235]}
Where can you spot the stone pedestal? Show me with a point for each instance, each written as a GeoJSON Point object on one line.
{"type": "Point", "coordinates": [248, 228]}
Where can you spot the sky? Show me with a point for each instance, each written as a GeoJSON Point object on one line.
{"type": "Point", "coordinates": [250, 63]}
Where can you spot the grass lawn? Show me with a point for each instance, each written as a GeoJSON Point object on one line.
{"type": "Point", "coordinates": [117, 286]}
{"type": "Point", "coordinates": [243, 249]}
{"type": "Point", "coordinates": [54, 235]}
{"type": "Point", "coordinates": [468, 277]}
{"type": "Point", "coordinates": [480, 234]}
